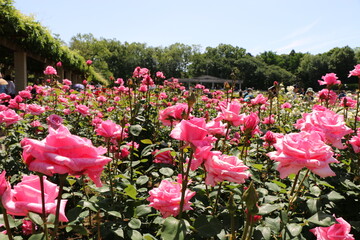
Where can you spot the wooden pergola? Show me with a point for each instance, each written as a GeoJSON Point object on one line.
{"type": "Point", "coordinates": [208, 81]}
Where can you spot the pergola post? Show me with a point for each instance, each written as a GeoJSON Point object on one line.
{"type": "Point", "coordinates": [20, 66]}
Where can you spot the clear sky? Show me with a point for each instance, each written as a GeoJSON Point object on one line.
{"type": "Point", "coordinates": [313, 26]}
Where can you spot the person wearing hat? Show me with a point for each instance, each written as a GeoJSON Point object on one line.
{"type": "Point", "coordinates": [3, 85]}
{"type": "Point", "coordinates": [309, 95]}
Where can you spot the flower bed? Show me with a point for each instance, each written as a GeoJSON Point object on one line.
{"type": "Point", "coordinates": [146, 161]}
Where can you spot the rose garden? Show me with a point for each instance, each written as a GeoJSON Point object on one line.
{"type": "Point", "coordinates": [149, 159]}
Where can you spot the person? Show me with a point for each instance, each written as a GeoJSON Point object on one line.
{"type": "Point", "coordinates": [3, 84]}
{"type": "Point", "coordinates": [11, 90]}
{"type": "Point", "coordinates": [248, 95]}
{"type": "Point", "coordinates": [309, 95]}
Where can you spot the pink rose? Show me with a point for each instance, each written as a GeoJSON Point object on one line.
{"type": "Point", "coordinates": [348, 102]}
{"type": "Point", "coordinates": [54, 121]}
{"type": "Point", "coordinates": [250, 125]}
{"type": "Point", "coordinates": [286, 105]}
{"type": "Point", "coordinates": [216, 128]}
{"type": "Point", "coordinates": [192, 131]}
{"type": "Point", "coordinates": [164, 157]}
{"type": "Point", "coordinates": [327, 95]}
{"type": "Point", "coordinates": [174, 114]}
{"type": "Point", "coordinates": [355, 142]}
{"type": "Point", "coordinates": [89, 62]}
{"type": "Point", "coordinates": [222, 167]}
{"type": "Point", "coordinates": [109, 129]}
{"type": "Point", "coordinates": [61, 152]}
{"type": "Point", "coordinates": [337, 231]}
{"type": "Point", "coordinates": [27, 227]}
{"type": "Point", "coordinates": [83, 110]}
{"type": "Point", "coordinates": [166, 198]}
{"type": "Point", "coordinates": [25, 94]}
{"type": "Point", "coordinates": [49, 70]}
{"type": "Point", "coordinates": [160, 75]}
{"type": "Point", "coordinates": [3, 183]}
{"type": "Point", "coordinates": [295, 151]}
{"type": "Point", "coordinates": [34, 109]}
{"type": "Point", "coordinates": [259, 100]}
{"type": "Point", "coordinates": [328, 123]}
{"type": "Point", "coordinates": [356, 71]}
{"type": "Point", "coordinates": [230, 113]}
{"type": "Point", "coordinates": [9, 117]}
{"type": "Point", "coordinates": [59, 64]}
{"type": "Point", "coordinates": [268, 120]}
{"type": "Point", "coordinates": [270, 138]}
{"type": "Point", "coordinates": [25, 197]}
{"type": "Point", "coordinates": [329, 79]}
{"type": "Point", "coordinates": [67, 82]}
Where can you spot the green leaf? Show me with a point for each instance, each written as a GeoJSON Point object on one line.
{"type": "Point", "coordinates": [262, 232]}
{"type": "Point", "coordinates": [273, 187]}
{"type": "Point", "coordinates": [163, 150]}
{"type": "Point", "coordinates": [293, 229]}
{"type": "Point", "coordinates": [36, 218]}
{"type": "Point", "coordinates": [273, 223]}
{"type": "Point", "coordinates": [280, 184]}
{"type": "Point", "coordinates": [258, 166]}
{"type": "Point", "coordinates": [313, 205]}
{"type": "Point", "coordinates": [142, 180]}
{"type": "Point", "coordinates": [130, 190]}
{"type": "Point", "coordinates": [77, 228]}
{"type": "Point", "coordinates": [142, 210]}
{"type": "Point", "coordinates": [134, 235]}
{"type": "Point", "coordinates": [322, 219]}
{"type": "Point", "coordinates": [335, 196]}
{"type": "Point", "coordinates": [148, 236]}
{"type": "Point", "coordinates": [135, 130]}
{"type": "Point", "coordinates": [268, 208]}
{"type": "Point", "coordinates": [207, 226]}
{"type": "Point", "coordinates": [166, 171]}
{"type": "Point", "coordinates": [134, 223]}
{"type": "Point", "coordinates": [173, 229]}
{"type": "Point", "coordinates": [119, 232]}
{"type": "Point", "coordinates": [146, 141]}
{"type": "Point", "coordinates": [114, 213]}
{"type": "Point", "coordinates": [37, 236]}
{"type": "Point", "coordinates": [90, 205]}
{"type": "Point", "coordinates": [10, 219]}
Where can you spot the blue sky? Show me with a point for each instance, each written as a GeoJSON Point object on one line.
{"type": "Point", "coordinates": [313, 26]}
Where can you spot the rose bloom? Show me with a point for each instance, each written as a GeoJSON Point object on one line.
{"type": "Point", "coordinates": [35, 109]}
{"type": "Point", "coordinates": [270, 138]}
{"type": "Point", "coordinates": [348, 102]}
{"type": "Point", "coordinates": [173, 114]}
{"type": "Point", "coordinates": [268, 120]}
{"type": "Point", "coordinates": [304, 149]}
{"type": "Point", "coordinates": [67, 82]}
{"type": "Point", "coordinates": [27, 227]}
{"type": "Point", "coordinates": [259, 100]}
{"type": "Point", "coordinates": [59, 64]}
{"type": "Point", "coordinates": [3, 183]}
{"type": "Point", "coordinates": [166, 198]}
{"type": "Point", "coordinates": [160, 75]}
{"type": "Point", "coordinates": [355, 72]}
{"type": "Point", "coordinates": [216, 128]}
{"type": "Point", "coordinates": [83, 110]}
{"type": "Point", "coordinates": [163, 157]}
{"type": "Point", "coordinates": [329, 79]}
{"type": "Point", "coordinates": [328, 123]}
{"type": "Point", "coordinates": [143, 88]}
{"type": "Point", "coordinates": [24, 94]}
{"type": "Point", "coordinates": [286, 105]}
{"type": "Point", "coordinates": [54, 121]}
{"type": "Point", "coordinates": [49, 70]}
{"type": "Point", "coordinates": [109, 129]}
{"type": "Point", "coordinates": [9, 117]}
{"type": "Point", "coordinates": [355, 142]}
{"type": "Point", "coordinates": [120, 81]}
{"type": "Point", "coordinates": [230, 113]}
{"type": "Point", "coordinates": [61, 152]}
{"type": "Point", "coordinates": [192, 131]}
{"type": "Point", "coordinates": [221, 167]}
{"type": "Point", "coordinates": [89, 62]}
{"type": "Point", "coordinates": [200, 155]}
{"type": "Point", "coordinates": [25, 197]}
{"type": "Point", "coordinates": [337, 231]}
{"type": "Point", "coordinates": [35, 124]}
{"type": "Point", "coordinates": [250, 126]}
{"type": "Point", "coordinates": [327, 95]}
